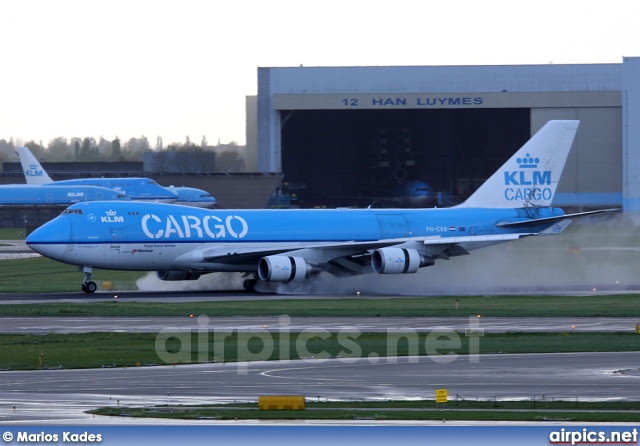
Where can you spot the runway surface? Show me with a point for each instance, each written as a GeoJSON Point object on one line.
{"type": "Point", "coordinates": [15, 249]}
{"type": "Point", "coordinates": [62, 396]}
{"type": "Point", "coordinates": [43, 325]}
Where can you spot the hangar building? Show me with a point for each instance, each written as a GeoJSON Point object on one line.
{"type": "Point", "coordinates": [351, 133]}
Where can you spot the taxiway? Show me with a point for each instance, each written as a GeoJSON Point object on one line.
{"type": "Point", "coordinates": [63, 396]}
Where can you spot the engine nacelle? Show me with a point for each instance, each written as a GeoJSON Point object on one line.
{"type": "Point", "coordinates": [284, 269]}
{"type": "Point", "coordinates": [177, 275]}
{"type": "Point", "coordinates": [398, 261]}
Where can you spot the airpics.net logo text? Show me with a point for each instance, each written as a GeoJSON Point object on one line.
{"type": "Point", "coordinates": [590, 436]}
{"type": "Point", "coordinates": [311, 344]}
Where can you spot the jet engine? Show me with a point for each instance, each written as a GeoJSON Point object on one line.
{"type": "Point", "coordinates": [398, 261]}
{"type": "Point", "coordinates": [284, 269]}
{"type": "Point", "coordinates": [177, 275]}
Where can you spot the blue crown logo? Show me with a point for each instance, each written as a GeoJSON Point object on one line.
{"type": "Point", "coordinates": [33, 166]}
{"type": "Point", "coordinates": [528, 162]}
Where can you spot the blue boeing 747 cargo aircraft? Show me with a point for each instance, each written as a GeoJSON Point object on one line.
{"type": "Point", "coordinates": [281, 245]}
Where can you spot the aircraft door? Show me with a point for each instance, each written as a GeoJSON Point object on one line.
{"type": "Point", "coordinates": [117, 250]}
{"type": "Point", "coordinates": [72, 236]}
{"type": "Point", "coordinates": [115, 234]}
{"type": "Point", "coordinates": [392, 226]}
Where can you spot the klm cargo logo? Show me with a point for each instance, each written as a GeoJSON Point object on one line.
{"type": "Point", "coordinates": [528, 182]}
{"type": "Point", "coordinates": [190, 226]}
{"type": "Point", "coordinates": [34, 171]}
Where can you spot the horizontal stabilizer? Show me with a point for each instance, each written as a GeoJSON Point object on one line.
{"type": "Point", "coordinates": [556, 228]}
{"type": "Point", "coordinates": [547, 220]}
{"type": "Point", "coordinates": [473, 239]}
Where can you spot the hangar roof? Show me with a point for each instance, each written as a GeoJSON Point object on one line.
{"type": "Point", "coordinates": [411, 79]}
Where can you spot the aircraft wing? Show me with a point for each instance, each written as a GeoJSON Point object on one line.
{"type": "Point", "coordinates": [239, 254]}
{"type": "Point", "coordinates": [348, 255]}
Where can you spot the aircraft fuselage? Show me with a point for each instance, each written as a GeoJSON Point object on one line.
{"type": "Point", "coordinates": [145, 236]}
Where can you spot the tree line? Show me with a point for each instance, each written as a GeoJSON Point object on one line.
{"type": "Point", "coordinates": [228, 158]}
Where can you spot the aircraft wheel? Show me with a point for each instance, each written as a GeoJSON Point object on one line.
{"type": "Point", "coordinates": [89, 287]}
{"type": "Point", "coordinates": [249, 284]}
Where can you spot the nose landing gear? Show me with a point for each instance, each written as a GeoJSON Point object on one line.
{"type": "Point", "coordinates": [88, 286]}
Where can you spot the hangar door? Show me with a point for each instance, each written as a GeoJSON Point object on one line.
{"type": "Point", "coordinates": [364, 157]}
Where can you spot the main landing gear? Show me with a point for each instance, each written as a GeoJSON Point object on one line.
{"type": "Point", "coordinates": [88, 286]}
{"type": "Point", "coordinates": [250, 284]}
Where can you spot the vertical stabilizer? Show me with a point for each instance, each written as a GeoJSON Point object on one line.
{"type": "Point", "coordinates": [530, 177]}
{"type": "Point", "coordinates": [33, 171]}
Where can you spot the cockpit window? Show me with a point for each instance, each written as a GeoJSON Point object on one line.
{"type": "Point", "coordinates": [72, 211]}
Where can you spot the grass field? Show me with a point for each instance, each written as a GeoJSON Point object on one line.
{"type": "Point", "coordinates": [42, 275]}
{"type": "Point", "coordinates": [11, 233]}
{"type": "Point", "coordinates": [400, 410]}
{"type": "Point", "coordinates": [94, 350]}
{"type": "Point", "coordinates": [487, 306]}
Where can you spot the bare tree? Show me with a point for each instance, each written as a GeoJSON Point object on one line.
{"type": "Point", "coordinates": [230, 161]}
{"type": "Point", "coordinates": [116, 151]}
{"type": "Point", "coordinates": [36, 149]}
{"type": "Point", "coordinates": [59, 149]}
{"type": "Point", "coordinates": [7, 150]}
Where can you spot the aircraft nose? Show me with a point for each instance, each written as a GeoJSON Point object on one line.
{"type": "Point", "coordinates": [49, 240]}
